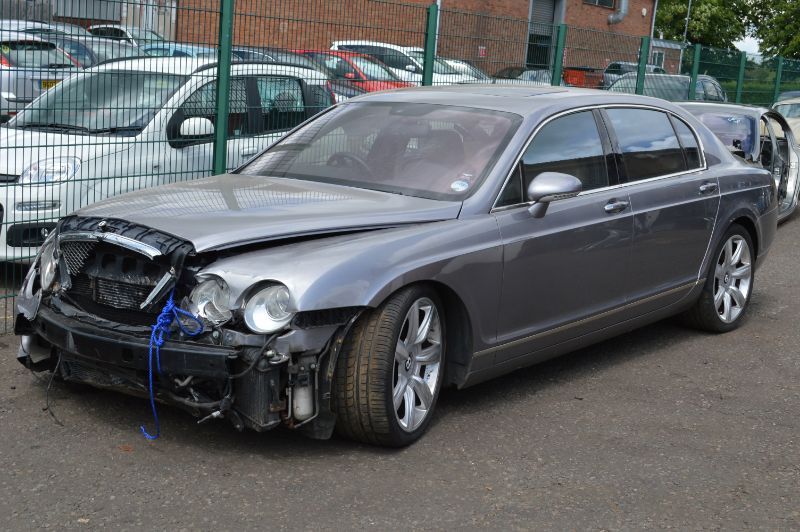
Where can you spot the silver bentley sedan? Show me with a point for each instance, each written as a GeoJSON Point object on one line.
{"type": "Point", "coordinates": [393, 245]}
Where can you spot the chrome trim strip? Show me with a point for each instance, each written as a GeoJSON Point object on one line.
{"type": "Point", "coordinates": [584, 321]}
{"type": "Point", "coordinates": [122, 241]}
{"type": "Point", "coordinates": [549, 119]}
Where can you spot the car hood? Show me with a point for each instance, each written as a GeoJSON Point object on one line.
{"type": "Point", "coordinates": [230, 210]}
{"type": "Point", "coordinates": [23, 147]}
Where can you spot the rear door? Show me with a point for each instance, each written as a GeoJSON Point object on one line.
{"type": "Point", "coordinates": [573, 263]}
{"type": "Point", "coordinates": [674, 201]}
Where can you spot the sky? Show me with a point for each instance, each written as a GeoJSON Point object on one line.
{"type": "Point", "coordinates": [748, 44]}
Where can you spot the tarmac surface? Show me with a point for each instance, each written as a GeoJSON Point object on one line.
{"type": "Point", "coordinates": [664, 427]}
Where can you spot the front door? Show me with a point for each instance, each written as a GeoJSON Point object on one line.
{"type": "Point", "coordinates": [563, 270]}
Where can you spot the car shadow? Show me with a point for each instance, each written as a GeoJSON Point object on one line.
{"type": "Point", "coordinates": [124, 414]}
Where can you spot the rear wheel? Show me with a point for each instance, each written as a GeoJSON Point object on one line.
{"type": "Point", "coordinates": [390, 370]}
{"type": "Point", "coordinates": [729, 284]}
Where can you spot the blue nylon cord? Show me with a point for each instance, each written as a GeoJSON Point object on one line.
{"type": "Point", "coordinates": [158, 335]}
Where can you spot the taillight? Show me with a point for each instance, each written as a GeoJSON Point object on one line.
{"type": "Point", "coordinates": [4, 62]}
{"type": "Point", "coordinates": [329, 88]}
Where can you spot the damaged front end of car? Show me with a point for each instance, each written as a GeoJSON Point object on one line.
{"type": "Point", "coordinates": [89, 310]}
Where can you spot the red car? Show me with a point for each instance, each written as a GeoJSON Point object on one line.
{"type": "Point", "coordinates": [364, 71]}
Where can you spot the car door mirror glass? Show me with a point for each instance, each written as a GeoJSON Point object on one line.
{"type": "Point", "coordinates": [196, 127]}
{"type": "Point", "coordinates": [551, 186]}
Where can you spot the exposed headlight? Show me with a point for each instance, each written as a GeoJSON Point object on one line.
{"type": "Point", "coordinates": [212, 300]}
{"type": "Point", "coordinates": [48, 263]}
{"type": "Point", "coordinates": [50, 170]}
{"type": "Point", "coordinates": [267, 310]}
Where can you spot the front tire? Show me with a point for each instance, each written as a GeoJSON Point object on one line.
{"type": "Point", "coordinates": [729, 284]}
{"type": "Point", "coordinates": [390, 370]}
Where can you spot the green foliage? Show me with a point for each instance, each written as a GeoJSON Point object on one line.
{"type": "Point", "coordinates": [776, 23]}
{"type": "Point", "coordinates": [713, 22]}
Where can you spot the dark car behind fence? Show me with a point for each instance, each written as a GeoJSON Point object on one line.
{"type": "Point", "coordinates": [119, 127]}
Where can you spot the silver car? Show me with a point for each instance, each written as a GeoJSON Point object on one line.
{"type": "Point", "coordinates": [395, 244]}
{"type": "Point", "coordinates": [28, 67]}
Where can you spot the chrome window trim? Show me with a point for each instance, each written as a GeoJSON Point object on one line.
{"type": "Point", "coordinates": [703, 166]}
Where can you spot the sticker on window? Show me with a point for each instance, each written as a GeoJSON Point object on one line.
{"type": "Point", "coordinates": [459, 185]}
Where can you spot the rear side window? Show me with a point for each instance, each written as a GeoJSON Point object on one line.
{"type": "Point", "coordinates": [203, 103]}
{"type": "Point", "coordinates": [281, 103]}
{"type": "Point", "coordinates": [33, 54]}
{"type": "Point", "coordinates": [648, 143]}
{"type": "Point", "coordinates": [691, 150]}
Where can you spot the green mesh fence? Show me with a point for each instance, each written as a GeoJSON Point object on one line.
{"type": "Point", "coordinates": [102, 98]}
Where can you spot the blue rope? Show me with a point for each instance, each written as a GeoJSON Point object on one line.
{"type": "Point", "coordinates": [158, 335]}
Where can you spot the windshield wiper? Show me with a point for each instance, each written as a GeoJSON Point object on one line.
{"type": "Point", "coordinates": [115, 129]}
{"type": "Point", "coordinates": [53, 125]}
{"type": "Point", "coordinates": [60, 65]}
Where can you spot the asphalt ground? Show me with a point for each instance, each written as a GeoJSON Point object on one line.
{"type": "Point", "coordinates": [664, 427]}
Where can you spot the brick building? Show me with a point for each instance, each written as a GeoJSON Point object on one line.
{"type": "Point", "coordinates": [491, 33]}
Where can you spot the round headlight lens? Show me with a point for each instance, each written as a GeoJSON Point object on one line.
{"type": "Point", "coordinates": [48, 264]}
{"type": "Point", "coordinates": [267, 310]}
{"type": "Point", "coordinates": [212, 300]}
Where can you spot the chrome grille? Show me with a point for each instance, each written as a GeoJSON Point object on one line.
{"type": "Point", "coordinates": [75, 253]}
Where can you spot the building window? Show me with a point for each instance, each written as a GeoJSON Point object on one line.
{"type": "Point", "coordinates": [601, 3]}
{"type": "Point", "coordinates": [657, 59]}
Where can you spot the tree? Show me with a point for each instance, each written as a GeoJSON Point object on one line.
{"type": "Point", "coordinates": [776, 23]}
{"type": "Point", "coordinates": [717, 23]}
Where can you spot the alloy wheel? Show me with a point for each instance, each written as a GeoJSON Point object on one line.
{"type": "Point", "coordinates": [417, 362]}
{"type": "Point", "coordinates": [733, 277]}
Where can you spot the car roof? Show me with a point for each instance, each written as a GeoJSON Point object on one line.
{"type": "Point", "coordinates": [187, 66]}
{"type": "Point", "coordinates": [12, 24]}
{"type": "Point", "coordinates": [794, 100]}
{"type": "Point", "coordinates": [519, 99]}
{"type": "Point", "coordinates": [10, 35]}
{"type": "Point", "coordinates": [379, 43]}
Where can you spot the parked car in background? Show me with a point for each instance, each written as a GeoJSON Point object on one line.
{"type": "Point", "coordinates": [29, 66]}
{"type": "Point", "coordinates": [788, 95]}
{"type": "Point", "coordinates": [92, 50]}
{"type": "Point", "coordinates": [790, 109]}
{"type": "Point", "coordinates": [130, 34]}
{"type": "Point", "coordinates": [136, 123]}
{"type": "Point", "coordinates": [44, 28]}
{"type": "Point", "coordinates": [672, 87]}
{"type": "Point", "coordinates": [359, 70]}
{"type": "Point", "coordinates": [760, 136]}
{"type": "Point", "coordinates": [173, 49]}
{"type": "Point", "coordinates": [523, 75]}
{"type": "Point", "coordinates": [399, 243]}
{"type": "Point", "coordinates": [405, 62]}
{"type": "Point", "coordinates": [617, 69]}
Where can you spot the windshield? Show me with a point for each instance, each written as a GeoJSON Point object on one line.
{"type": "Point", "coordinates": [373, 70]}
{"type": "Point", "coordinates": [737, 132]}
{"type": "Point", "coordinates": [112, 102]}
{"type": "Point", "coordinates": [439, 66]}
{"type": "Point", "coordinates": [425, 150]}
{"type": "Point", "coordinates": [34, 54]}
{"type": "Point", "coordinates": [538, 76]}
{"type": "Point", "coordinates": [114, 50]}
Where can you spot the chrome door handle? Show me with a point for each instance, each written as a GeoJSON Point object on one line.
{"type": "Point", "coordinates": [708, 188]}
{"type": "Point", "coordinates": [615, 206]}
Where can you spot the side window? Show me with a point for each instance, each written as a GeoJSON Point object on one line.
{"type": "Point", "coordinates": [691, 149]}
{"type": "Point", "coordinates": [202, 104]}
{"type": "Point", "coordinates": [282, 105]}
{"type": "Point", "coordinates": [614, 68]}
{"type": "Point", "coordinates": [649, 145]}
{"type": "Point", "coordinates": [100, 32]}
{"type": "Point", "coordinates": [712, 93]}
{"type": "Point", "coordinates": [570, 145]}
{"type": "Point", "coordinates": [395, 59]}
{"type": "Point", "coordinates": [158, 52]}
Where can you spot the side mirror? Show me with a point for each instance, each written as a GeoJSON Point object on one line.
{"type": "Point", "coordinates": [196, 127]}
{"type": "Point", "coordinates": [551, 186]}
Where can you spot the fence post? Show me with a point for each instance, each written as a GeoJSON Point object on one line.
{"type": "Point", "coordinates": [430, 44]}
{"type": "Point", "coordinates": [695, 71]}
{"type": "Point", "coordinates": [644, 54]}
{"type": "Point", "coordinates": [778, 76]}
{"type": "Point", "coordinates": [740, 77]}
{"type": "Point", "coordinates": [223, 86]}
{"type": "Point", "coordinates": [558, 59]}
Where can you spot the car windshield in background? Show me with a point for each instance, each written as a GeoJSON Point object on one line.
{"type": "Point", "coordinates": [373, 70]}
{"type": "Point", "coordinates": [789, 110]}
{"type": "Point", "coordinates": [113, 50]}
{"type": "Point", "coordinates": [144, 35]}
{"type": "Point", "coordinates": [430, 151]}
{"type": "Point", "coordinates": [737, 132]}
{"type": "Point", "coordinates": [539, 76]}
{"type": "Point", "coordinates": [439, 66]}
{"type": "Point", "coordinates": [34, 54]}
{"type": "Point", "coordinates": [112, 102]}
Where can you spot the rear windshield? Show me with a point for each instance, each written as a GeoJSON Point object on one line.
{"type": "Point", "coordinates": [732, 129]}
{"type": "Point", "coordinates": [425, 150]}
{"type": "Point", "coordinates": [439, 66]}
{"type": "Point", "coordinates": [34, 54]}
